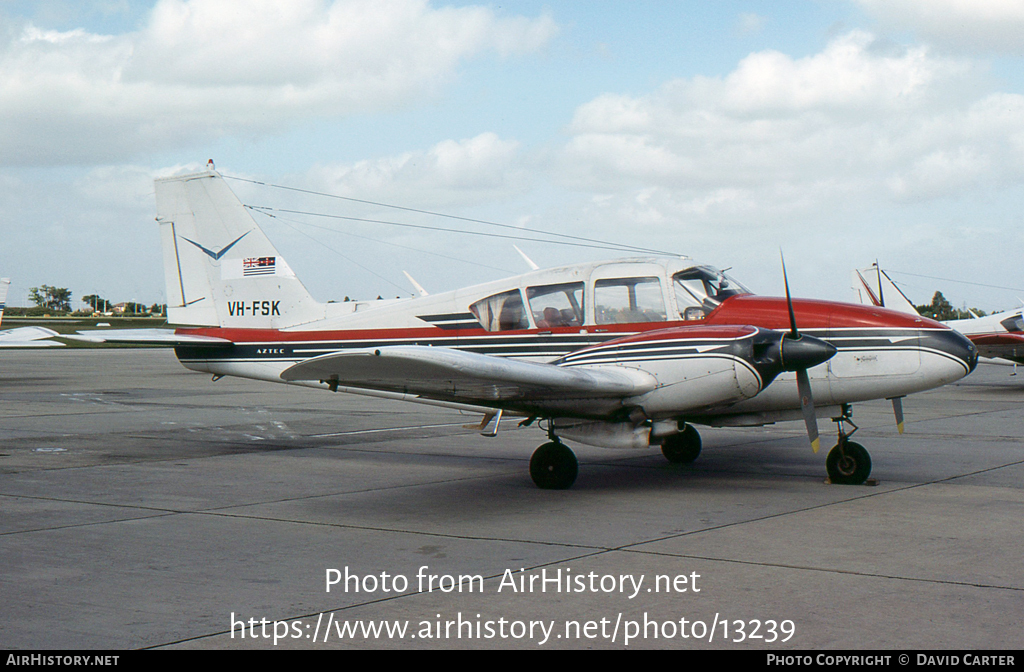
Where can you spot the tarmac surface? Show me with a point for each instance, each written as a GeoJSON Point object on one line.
{"type": "Point", "coordinates": [142, 505]}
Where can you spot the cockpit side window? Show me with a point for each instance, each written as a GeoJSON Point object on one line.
{"type": "Point", "coordinates": [1014, 323]}
{"type": "Point", "coordinates": [556, 305]}
{"type": "Point", "coordinates": [700, 290]}
{"type": "Point", "coordinates": [627, 300]}
{"type": "Point", "coordinates": [501, 312]}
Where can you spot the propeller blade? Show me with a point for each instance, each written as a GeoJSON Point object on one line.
{"type": "Point", "coordinates": [881, 299]}
{"type": "Point", "coordinates": [789, 300]}
{"type": "Point", "coordinates": [897, 408]}
{"type": "Point", "coordinates": [803, 386]}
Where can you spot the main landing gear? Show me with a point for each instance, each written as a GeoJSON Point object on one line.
{"type": "Point", "coordinates": [682, 448]}
{"type": "Point", "coordinates": [848, 463]}
{"type": "Point", "coordinates": [554, 466]}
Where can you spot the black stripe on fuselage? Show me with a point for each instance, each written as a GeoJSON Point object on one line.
{"type": "Point", "coordinates": [942, 342]}
{"type": "Point", "coordinates": [451, 321]}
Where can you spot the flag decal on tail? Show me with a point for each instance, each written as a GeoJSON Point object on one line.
{"type": "Point", "coordinates": [254, 267]}
{"type": "Point", "coordinates": [259, 266]}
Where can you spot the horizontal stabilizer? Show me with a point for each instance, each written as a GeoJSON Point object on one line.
{"type": "Point", "coordinates": [445, 374]}
{"type": "Point", "coordinates": [166, 337]}
{"type": "Point", "coordinates": [28, 337]}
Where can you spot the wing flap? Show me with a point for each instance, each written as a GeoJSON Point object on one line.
{"type": "Point", "coordinates": [447, 374]}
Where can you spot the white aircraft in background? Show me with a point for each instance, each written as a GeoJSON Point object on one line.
{"type": "Point", "coordinates": [997, 336]}
{"type": "Point", "coordinates": [630, 353]}
{"type": "Point", "coordinates": [23, 337]}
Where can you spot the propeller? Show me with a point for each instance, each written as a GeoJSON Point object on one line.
{"type": "Point", "coordinates": [798, 353]}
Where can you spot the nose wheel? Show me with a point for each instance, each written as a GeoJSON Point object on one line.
{"type": "Point", "coordinates": [848, 463]}
{"type": "Point", "coordinates": [554, 466]}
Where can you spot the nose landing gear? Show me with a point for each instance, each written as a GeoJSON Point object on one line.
{"type": "Point", "coordinates": [848, 463]}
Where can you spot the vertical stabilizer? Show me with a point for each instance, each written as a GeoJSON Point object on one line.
{"type": "Point", "coordinates": [220, 269]}
{"type": "Point", "coordinates": [5, 284]}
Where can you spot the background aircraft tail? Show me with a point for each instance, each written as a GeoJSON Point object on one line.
{"type": "Point", "coordinates": [873, 287]}
{"type": "Point", "coordinates": [220, 269]}
{"type": "Point", "coordinates": [5, 284]}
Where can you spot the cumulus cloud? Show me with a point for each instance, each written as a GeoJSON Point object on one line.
{"type": "Point", "coordinates": [862, 148]}
{"type": "Point", "coordinates": [987, 27]}
{"type": "Point", "coordinates": [451, 172]}
{"type": "Point", "coordinates": [750, 23]}
{"type": "Point", "coordinates": [202, 68]}
{"type": "Point", "coordinates": [861, 118]}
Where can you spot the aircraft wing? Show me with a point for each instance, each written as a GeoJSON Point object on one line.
{"type": "Point", "coordinates": [28, 337]}
{"type": "Point", "coordinates": [166, 337]}
{"type": "Point", "coordinates": [1005, 346]}
{"type": "Point", "coordinates": [455, 375]}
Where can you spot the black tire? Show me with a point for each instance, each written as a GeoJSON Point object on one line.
{"type": "Point", "coordinates": [849, 466]}
{"type": "Point", "coordinates": [682, 448]}
{"type": "Point", "coordinates": [554, 466]}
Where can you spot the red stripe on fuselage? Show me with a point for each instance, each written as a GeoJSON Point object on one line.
{"type": "Point", "coordinates": [241, 335]}
{"type": "Point", "coordinates": [727, 321]}
{"type": "Point", "coordinates": [772, 312]}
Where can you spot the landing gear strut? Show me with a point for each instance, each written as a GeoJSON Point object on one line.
{"type": "Point", "coordinates": [682, 448]}
{"type": "Point", "coordinates": [848, 463]}
{"type": "Point", "coordinates": [554, 466]}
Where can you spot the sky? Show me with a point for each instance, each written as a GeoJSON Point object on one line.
{"type": "Point", "coordinates": [838, 132]}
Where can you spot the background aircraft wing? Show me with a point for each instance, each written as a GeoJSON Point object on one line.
{"type": "Point", "coordinates": [1006, 346]}
{"type": "Point", "coordinates": [166, 337]}
{"type": "Point", "coordinates": [28, 337]}
{"type": "Point", "coordinates": [454, 375]}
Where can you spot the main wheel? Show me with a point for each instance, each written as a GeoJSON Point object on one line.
{"type": "Point", "coordinates": [850, 465]}
{"type": "Point", "coordinates": [553, 466]}
{"type": "Point", "coordinates": [682, 448]}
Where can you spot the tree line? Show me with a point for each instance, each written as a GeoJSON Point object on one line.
{"type": "Point", "coordinates": [941, 309]}
{"type": "Point", "coordinates": [58, 300]}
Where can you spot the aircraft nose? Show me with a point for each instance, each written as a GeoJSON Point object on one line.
{"type": "Point", "coordinates": [953, 344]}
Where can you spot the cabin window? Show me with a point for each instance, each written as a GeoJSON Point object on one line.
{"type": "Point", "coordinates": [626, 300]}
{"type": "Point", "coordinates": [501, 312]}
{"type": "Point", "coordinates": [556, 305]}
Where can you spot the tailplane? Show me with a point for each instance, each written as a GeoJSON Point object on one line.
{"type": "Point", "coordinates": [220, 269]}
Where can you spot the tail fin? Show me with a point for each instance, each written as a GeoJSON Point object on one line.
{"type": "Point", "coordinates": [5, 284]}
{"type": "Point", "coordinates": [220, 269]}
{"type": "Point", "coordinates": [873, 287]}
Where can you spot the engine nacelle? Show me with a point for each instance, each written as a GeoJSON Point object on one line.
{"type": "Point", "coordinates": [603, 434]}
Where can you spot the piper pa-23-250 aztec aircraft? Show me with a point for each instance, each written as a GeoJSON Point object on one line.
{"type": "Point", "coordinates": [630, 353]}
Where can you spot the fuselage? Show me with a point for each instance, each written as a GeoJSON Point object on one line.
{"type": "Point", "coordinates": [546, 315]}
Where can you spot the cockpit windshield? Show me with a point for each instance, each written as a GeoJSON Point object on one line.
{"type": "Point", "coordinates": [701, 289]}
